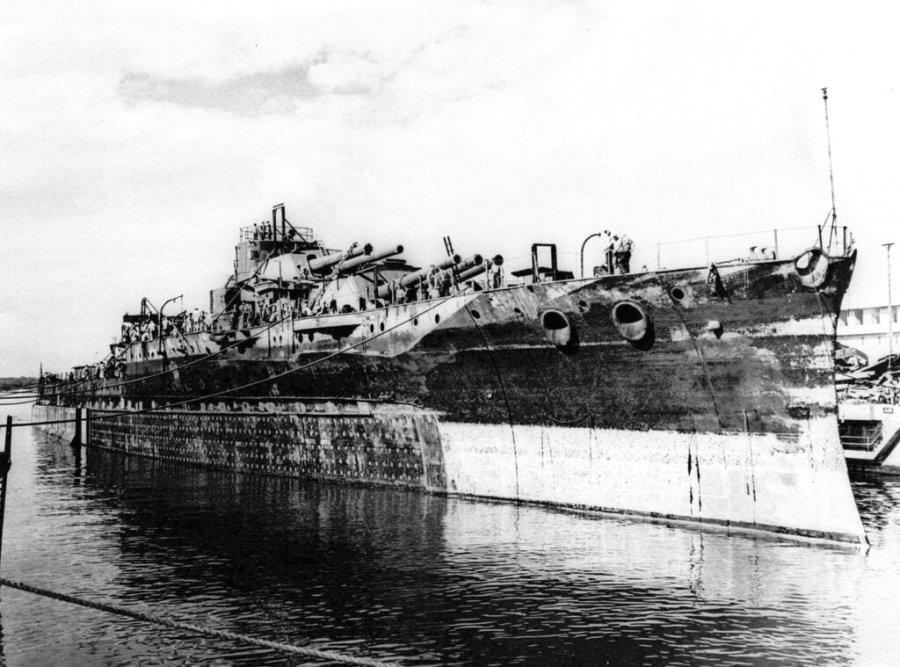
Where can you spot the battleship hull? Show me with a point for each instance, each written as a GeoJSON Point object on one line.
{"type": "Point", "coordinates": [703, 395]}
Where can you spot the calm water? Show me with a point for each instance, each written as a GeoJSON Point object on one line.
{"type": "Point", "coordinates": [412, 578]}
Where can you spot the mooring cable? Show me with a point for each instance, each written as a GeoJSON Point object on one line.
{"type": "Point", "coordinates": [30, 400]}
{"type": "Point", "coordinates": [247, 385]}
{"type": "Point", "coordinates": [509, 418]}
{"type": "Point", "coordinates": [212, 318]}
{"type": "Point", "coordinates": [175, 366]}
{"type": "Point", "coordinates": [156, 619]}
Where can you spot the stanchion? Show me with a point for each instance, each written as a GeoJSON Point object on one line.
{"type": "Point", "coordinates": [5, 463]}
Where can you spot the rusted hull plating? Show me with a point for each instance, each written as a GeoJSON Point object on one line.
{"type": "Point", "coordinates": [712, 399]}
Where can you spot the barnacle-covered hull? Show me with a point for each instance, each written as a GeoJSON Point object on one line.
{"type": "Point", "coordinates": [702, 394]}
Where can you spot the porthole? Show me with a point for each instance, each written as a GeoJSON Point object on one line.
{"type": "Point", "coordinates": [677, 294]}
{"type": "Point", "coordinates": [517, 310]}
{"type": "Point", "coordinates": [381, 326]}
{"type": "Point", "coordinates": [475, 314]}
{"type": "Point", "coordinates": [371, 328]}
{"type": "Point", "coordinates": [415, 321]}
{"type": "Point", "coordinates": [437, 319]}
{"type": "Point", "coordinates": [311, 336]}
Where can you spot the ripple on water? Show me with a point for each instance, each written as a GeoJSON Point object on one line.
{"type": "Point", "coordinates": [416, 578]}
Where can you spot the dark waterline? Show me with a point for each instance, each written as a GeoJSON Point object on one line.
{"type": "Point", "coordinates": [414, 578]}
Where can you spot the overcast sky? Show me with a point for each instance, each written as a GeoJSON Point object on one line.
{"type": "Point", "coordinates": [138, 137]}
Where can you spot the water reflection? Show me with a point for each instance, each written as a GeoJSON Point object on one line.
{"type": "Point", "coordinates": [419, 578]}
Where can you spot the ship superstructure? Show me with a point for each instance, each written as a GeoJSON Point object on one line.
{"type": "Point", "coordinates": [703, 394]}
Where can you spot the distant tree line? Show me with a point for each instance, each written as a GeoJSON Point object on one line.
{"type": "Point", "coordinates": [16, 383]}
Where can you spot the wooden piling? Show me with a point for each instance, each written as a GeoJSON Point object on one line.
{"type": "Point", "coordinates": [76, 440]}
{"type": "Point", "coordinates": [5, 463]}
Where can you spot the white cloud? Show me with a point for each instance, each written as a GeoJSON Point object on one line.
{"type": "Point", "coordinates": [138, 137]}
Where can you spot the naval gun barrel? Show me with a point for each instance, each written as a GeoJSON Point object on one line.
{"type": "Point", "coordinates": [478, 269]}
{"type": "Point", "coordinates": [447, 263]}
{"type": "Point", "coordinates": [322, 264]}
{"type": "Point", "coordinates": [469, 262]}
{"type": "Point", "coordinates": [470, 273]}
{"type": "Point", "coordinates": [416, 277]}
{"type": "Point", "coordinates": [369, 257]}
{"type": "Point", "coordinates": [462, 267]}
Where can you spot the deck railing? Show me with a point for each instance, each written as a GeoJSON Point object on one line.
{"type": "Point", "coordinates": [869, 439]}
{"type": "Point", "coordinates": [265, 230]}
{"type": "Point", "coordinates": [721, 248]}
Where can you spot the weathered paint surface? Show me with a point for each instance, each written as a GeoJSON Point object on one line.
{"type": "Point", "coordinates": [743, 351]}
{"type": "Point", "coordinates": [64, 431]}
{"type": "Point", "coordinates": [340, 442]}
{"type": "Point", "coordinates": [740, 480]}
{"type": "Point", "coordinates": [727, 414]}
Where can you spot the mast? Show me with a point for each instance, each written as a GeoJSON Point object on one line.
{"type": "Point", "coordinates": [890, 312]}
{"type": "Point", "coordinates": [830, 167]}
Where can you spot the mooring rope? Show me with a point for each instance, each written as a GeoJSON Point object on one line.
{"type": "Point", "coordinates": [307, 651]}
